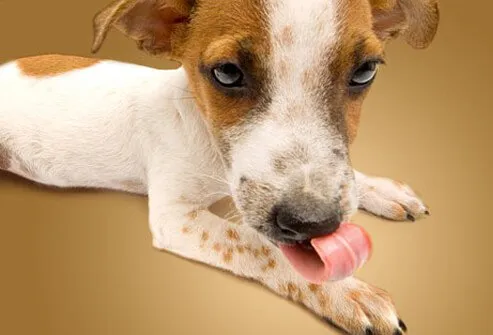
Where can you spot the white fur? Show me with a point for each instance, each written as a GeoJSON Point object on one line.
{"type": "Point", "coordinates": [114, 123]}
{"type": "Point", "coordinates": [103, 125]}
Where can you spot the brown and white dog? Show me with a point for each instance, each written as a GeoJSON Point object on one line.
{"type": "Point", "coordinates": [264, 108]}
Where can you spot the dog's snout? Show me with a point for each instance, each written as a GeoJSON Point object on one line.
{"type": "Point", "coordinates": [304, 220]}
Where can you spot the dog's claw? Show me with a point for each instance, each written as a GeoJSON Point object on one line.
{"type": "Point", "coordinates": [410, 217]}
{"type": "Point", "coordinates": [427, 212]}
{"type": "Point", "coordinates": [402, 325]}
{"type": "Point", "coordinates": [397, 332]}
{"type": "Point", "coordinates": [368, 331]}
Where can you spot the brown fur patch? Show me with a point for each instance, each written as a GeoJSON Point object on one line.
{"type": "Point", "coordinates": [232, 235]}
{"type": "Point", "coordinates": [193, 214]}
{"type": "Point", "coordinates": [228, 255]}
{"type": "Point", "coordinates": [204, 237]}
{"type": "Point", "coordinates": [217, 247]}
{"type": "Point", "coordinates": [271, 264]}
{"type": "Point", "coordinates": [356, 42]}
{"type": "Point", "coordinates": [185, 230]}
{"type": "Point", "coordinates": [265, 251]}
{"type": "Point", "coordinates": [53, 65]}
{"type": "Point", "coordinates": [243, 24]}
{"type": "Point", "coordinates": [314, 287]}
{"type": "Point", "coordinates": [5, 158]}
{"type": "Point", "coordinates": [240, 249]}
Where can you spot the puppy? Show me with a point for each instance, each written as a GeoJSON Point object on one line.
{"type": "Point", "coordinates": [263, 109]}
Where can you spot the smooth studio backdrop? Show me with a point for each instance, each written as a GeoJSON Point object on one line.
{"type": "Point", "coordinates": [82, 262]}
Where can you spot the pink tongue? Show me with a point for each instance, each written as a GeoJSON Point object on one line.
{"type": "Point", "coordinates": [336, 256]}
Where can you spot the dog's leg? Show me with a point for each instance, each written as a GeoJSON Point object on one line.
{"type": "Point", "coordinates": [188, 229]}
{"type": "Point", "coordinates": [388, 198]}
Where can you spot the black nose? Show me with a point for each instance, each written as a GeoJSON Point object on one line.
{"type": "Point", "coordinates": [298, 225]}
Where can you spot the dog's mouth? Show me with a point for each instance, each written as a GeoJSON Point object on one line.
{"type": "Point", "coordinates": [331, 257]}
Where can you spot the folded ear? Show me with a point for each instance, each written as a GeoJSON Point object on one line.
{"type": "Point", "coordinates": [151, 23]}
{"type": "Point", "coordinates": [415, 20]}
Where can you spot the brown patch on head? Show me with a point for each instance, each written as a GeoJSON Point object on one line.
{"type": "Point", "coordinates": [5, 157]}
{"type": "Point", "coordinates": [353, 116]}
{"type": "Point", "coordinates": [239, 35]}
{"type": "Point", "coordinates": [53, 65]}
{"type": "Point", "coordinates": [232, 235]}
{"type": "Point", "coordinates": [218, 32]}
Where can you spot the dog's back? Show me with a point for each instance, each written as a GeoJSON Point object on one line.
{"type": "Point", "coordinates": [63, 119]}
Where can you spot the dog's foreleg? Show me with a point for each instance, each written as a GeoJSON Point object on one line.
{"type": "Point", "coordinates": [188, 229]}
{"type": "Point", "coordinates": [388, 198]}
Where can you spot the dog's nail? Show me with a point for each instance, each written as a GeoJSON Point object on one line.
{"type": "Point", "coordinates": [427, 212]}
{"type": "Point", "coordinates": [397, 332]}
{"type": "Point", "coordinates": [368, 331]}
{"type": "Point", "coordinates": [402, 325]}
{"type": "Point", "coordinates": [410, 217]}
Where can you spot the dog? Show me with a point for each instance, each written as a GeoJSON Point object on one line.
{"type": "Point", "coordinates": [263, 108]}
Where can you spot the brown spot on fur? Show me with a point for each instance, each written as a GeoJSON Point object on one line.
{"type": "Point", "coordinates": [286, 36]}
{"type": "Point", "coordinates": [265, 251]}
{"type": "Point", "coordinates": [283, 69]}
{"type": "Point", "coordinates": [5, 157]}
{"type": "Point", "coordinates": [232, 235]}
{"type": "Point", "coordinates": [193, 214]}
{"type": "Point", "coordinates": [185, 230]}
{"type": "Point", "coordinates": [53, 65]}
{"type": "Point", "coordinates": [204, 237]}
{"type": "Point", "coordinates": [314, 287]}
{"type": "Point", "coordinates": [228, 255]}
{"type": "Point", "coordinates": [292, 288]}
{"type": "Point", "coordinates": [271, 264]}
{"type": "Point", "coordinates": [240, 249]}
{"type": "Point", "coordinates": [217, 247]}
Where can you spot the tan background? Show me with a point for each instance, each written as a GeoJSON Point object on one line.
{"type": "Point", "coordinates": [82, 263]}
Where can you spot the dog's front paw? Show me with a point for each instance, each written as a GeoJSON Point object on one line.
{"type": "Point", "coordinates": [389, 199]}
{"type": "Point", "coordinates": [358, 308]}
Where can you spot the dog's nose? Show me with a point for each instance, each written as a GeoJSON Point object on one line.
{"type": "Point", "coordinates": [297, 223]}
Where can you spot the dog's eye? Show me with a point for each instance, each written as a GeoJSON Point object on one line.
{"type": "Point", "coordinates": [228, 75]}
{"type": "Point", "coordinates": [364, 75]}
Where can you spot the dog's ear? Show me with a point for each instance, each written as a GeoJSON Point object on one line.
{"type": "Point", "coordinates": [415, 20]}
{"type": "Point", "coordinates": [151, 23]}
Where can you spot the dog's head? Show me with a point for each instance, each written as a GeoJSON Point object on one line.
{"type": "Point", "coordinates": [280, 84]}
